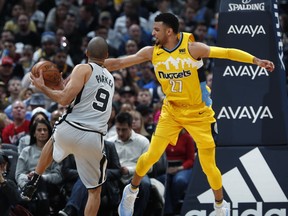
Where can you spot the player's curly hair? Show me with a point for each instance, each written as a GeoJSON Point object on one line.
{"type": "Point", "coordinates": [169, 20]}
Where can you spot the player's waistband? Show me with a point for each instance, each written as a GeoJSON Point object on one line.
{"type": "Point", "coordinates": [185, 105]}
{"type": "Point", "coordinates": [81, 127]}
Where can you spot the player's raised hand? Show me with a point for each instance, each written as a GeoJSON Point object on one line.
{"type": "Point", "coordinates": [268, 65]}
{"type": "Point", "coordinates": [38, 82]}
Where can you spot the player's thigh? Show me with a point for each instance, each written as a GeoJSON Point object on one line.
{"type": "Point", "coordinates": [90, 161]}
{"type": "Point", "coordinates": [202, 134]}
{"type": "Point", "coordinates": [167, 129]}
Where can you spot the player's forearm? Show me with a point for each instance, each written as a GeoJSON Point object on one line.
{"type": "Point", "coordinates": [58, 96]}
{"type": "Point", "coordinates": [112, 64]}
{"type": "Point", "coordinates": [232, 54]}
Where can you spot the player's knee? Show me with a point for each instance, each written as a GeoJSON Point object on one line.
{"type": "Point", "coordinates": [153, 156]}
{"type": "Point", "coordinates": [209, 170]}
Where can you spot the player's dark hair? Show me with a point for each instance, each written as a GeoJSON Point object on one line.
{"type": "Point", "coordinates": [124, 117]}
{"type": "Point", "coordinates": [169, 20]}
{"type": "Point", "coordinates": [97, 48]}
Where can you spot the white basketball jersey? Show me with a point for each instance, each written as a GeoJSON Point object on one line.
{"type": "Point", "coordinates": [92, 107]}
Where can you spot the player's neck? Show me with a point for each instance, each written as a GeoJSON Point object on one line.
{"type": "Point", "coordinates": [171, 42]}
{"type": "Point", "coordinates": [97, 61]}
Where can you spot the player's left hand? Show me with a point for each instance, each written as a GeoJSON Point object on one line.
{"type": "Point", "coordinates": [38, 82]}
{"type": "Point", "coordinates": [268, 65]}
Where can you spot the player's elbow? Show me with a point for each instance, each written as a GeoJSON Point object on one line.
{"type": "Point", "coordinates": [64, 101]}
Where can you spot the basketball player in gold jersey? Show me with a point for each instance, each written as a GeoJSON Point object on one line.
{"type": "Point", "coordinates": [176, 58]}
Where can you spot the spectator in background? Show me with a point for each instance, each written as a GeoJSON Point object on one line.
{"type": "Point", "coordinates": [25, 93]}
{"type": "Point", "coordinates": [105, 19]}
{"type": "Point", "coordinates": [14, 89]}
{"type": "Point", "coordinates": [73, 36]}
{"type": "Point", "coordinates": [148, 118]}
{"type": "Point", "coordinates": [63, 44]}
{"type": "Point", "coordinates": [180, 159]}
{"type": "Point", "coordinates": [128, 95]}
{"type": "Point", "coordinates": [126, 107]}
{"type": "Point", "coordinates": [3, 95]}
{"type": "Point", "coordinates": [119, 80]}
{"type": "Point", "coordinates": [37, 16]}
{"type": "Point", "coordinates": [20, 125]}
{"type": "Point", "coordinates": [103, 31]}
{"type": "Point", "coordinates": [138, 124]}
{"type": "Point", "coordinates": [47, 49]}
{"type": "Point", "coordinates": [182, 25]}
{"type": "Point", "coordinates": [202, 12]}
{"type": "Point", "coordinates": [189, 18]}
{"type": "Point", "coordinates": [26, 58]}
{"type": "Point", "coordinates": [9, 194]}
{"type": "Point", "coordinates": [163, 6]}
{"type": "Point", "coordinates": [130, 77]}
{"type": "Point", "coordinates": [209, 80]}
{"type": "Point", "coordinates": [38, 114]}
{"type": "Point", "coordinates": [39, 134]}
{"type": "Point", "coordinates": [60, 59]}
{"type": "Point", "coordinates": [10, 47]}
{"type": "Point", "coordinates": [200, 32]}
{"type": "Point", "coordinates": [88, 21]}
{"type": "Point", "coordinates": [146, 74]}
{"type": "Point", "coordinates": [129, 7]}
{"type": "Point", "coordinates": [25, 35]}
{"type": "Point", "coordinates": [56, 16]}
{"type": "Point", "coordinates": [131, 47]}
{"type": "Point", "coordinates": [104, 5]}
{"type": "Point", "coordinates": [138, 35]}
{"type": "Point", "coordinates": [55, 115]}
{"type": "Point", "coordinates": [129, 146]}
{"type": "Point", "coordinates": [10, 51]}
{"type": "Point", "coordinates": [34, 101]}
{"type": "Point", "coordinates": [6, 69]}
{"type": "Point", "coordinates": [111, 123]}
{"type": "Point", "coordinates": [212, 30]}
{"type": "Point", "coordinates": [6, 35]}
{"type": "Point", "coordinates": [12, 23]}
{"type": "Point", "coordinates": [4, 121]}
{"type": "Point", "coordinates": [144, 98]}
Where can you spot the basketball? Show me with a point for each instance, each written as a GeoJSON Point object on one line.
{"type": "Point", "coordinates": [50, 72]}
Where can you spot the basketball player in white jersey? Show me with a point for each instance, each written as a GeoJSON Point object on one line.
{"type": "Point", "coordinates": [80, 131]}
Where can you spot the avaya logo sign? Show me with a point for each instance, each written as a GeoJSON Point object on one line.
{"type": "Point", "coordinates": [245, 71]}
{"type": "Point", "coordinates": [246, 29]}
{"type": "Point", "coordinates": [245, 112]}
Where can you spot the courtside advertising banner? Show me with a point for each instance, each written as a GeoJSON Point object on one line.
{"type": "Point", "coordinates": [250, 103]}
{"type": "Point", "coordinates": [254, 183]}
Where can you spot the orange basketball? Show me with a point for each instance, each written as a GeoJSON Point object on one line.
{"type": "Point", "coordinates": [51, 74]}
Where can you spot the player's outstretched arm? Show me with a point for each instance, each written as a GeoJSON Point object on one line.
{"type": "Point", "coordinates": [143, 55]}
{"type": "Point", "coordinates": [200, 50]}
{"type": "Point", "coordinates": [240, 56]}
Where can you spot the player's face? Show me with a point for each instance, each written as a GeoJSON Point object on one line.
{"type": "Point", "coordinates": [159, 33]}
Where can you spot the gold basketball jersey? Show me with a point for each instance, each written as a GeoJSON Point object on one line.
{"type": "Point", "coordinates": [177, 72]}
